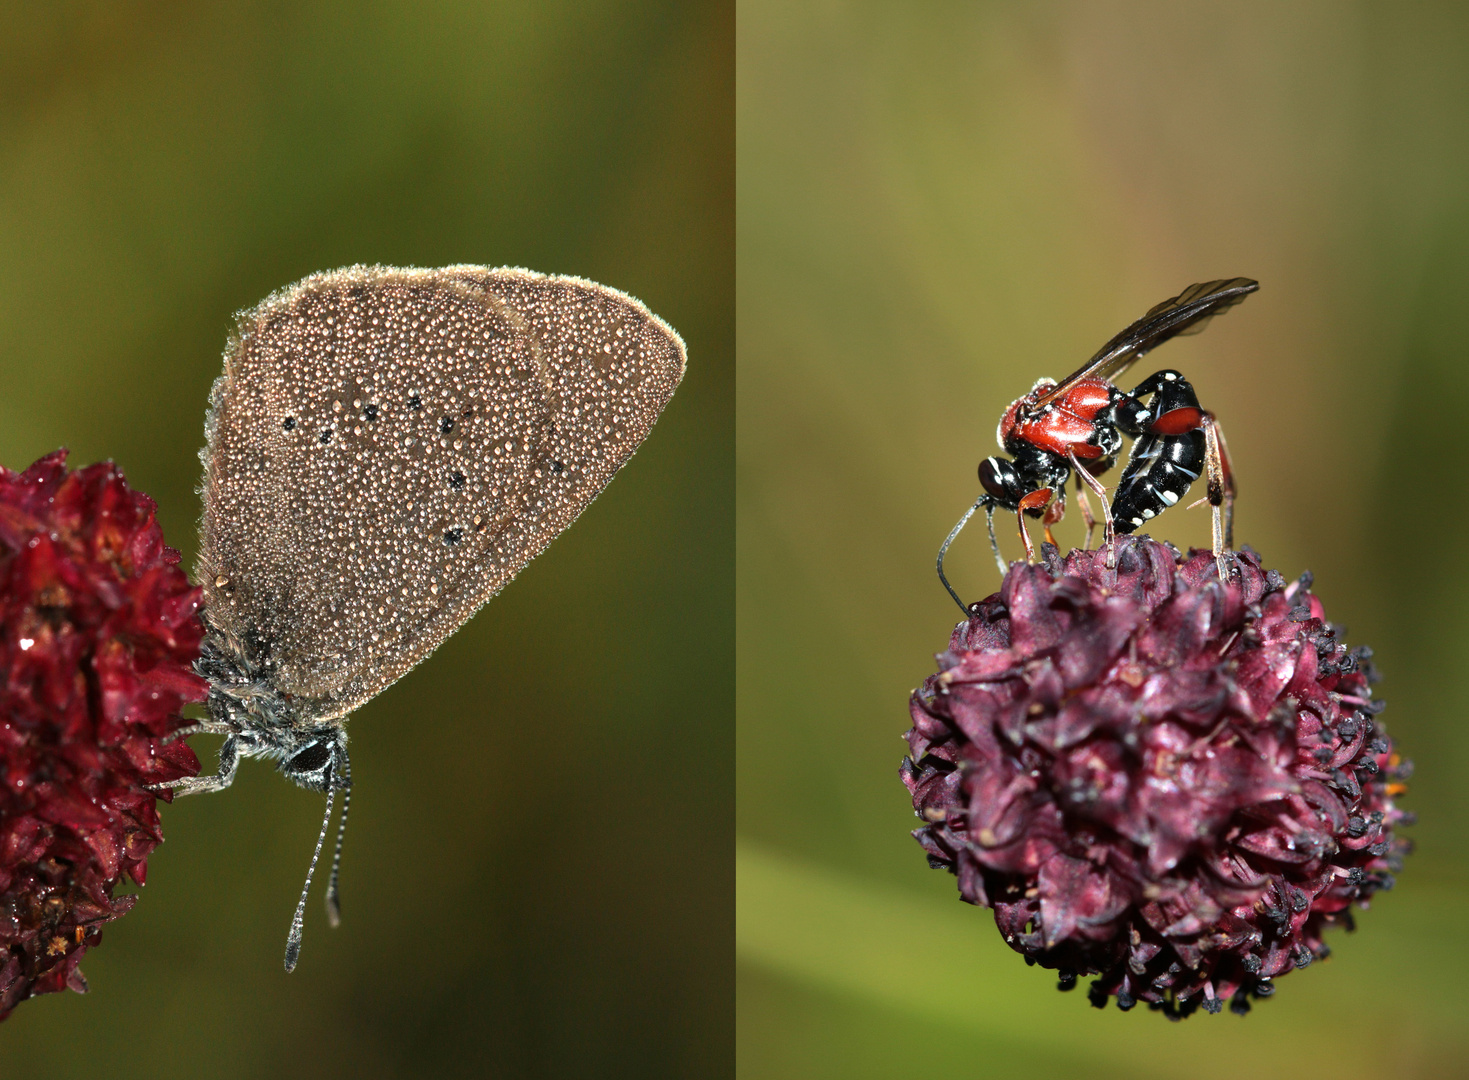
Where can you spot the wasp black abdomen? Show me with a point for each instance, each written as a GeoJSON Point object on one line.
{"type": "Point", "coordinates": [1158, 474]}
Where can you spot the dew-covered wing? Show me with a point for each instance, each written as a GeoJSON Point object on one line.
{"type": "Point", "coordinates": [387, 448]}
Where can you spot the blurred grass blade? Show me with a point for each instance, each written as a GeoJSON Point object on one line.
{"type": "Point", "coordinates": [942, 961]}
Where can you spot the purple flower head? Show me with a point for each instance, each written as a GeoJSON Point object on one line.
{"type": "Point", "coordinates": [98, 634]}
{"type": "Point", "coordinates": [1172, 784]}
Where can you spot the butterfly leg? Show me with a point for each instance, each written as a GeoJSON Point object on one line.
{"type": "Point", "coordinates": [229, 761]}
{"type": "Point", "coordinates": [203, 727]}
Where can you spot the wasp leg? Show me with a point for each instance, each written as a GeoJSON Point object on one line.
{"type": "Point", "coordinates": [954, 532]}
{"type": "Point", "coordinates": [1024, 536]}
{"type": "Point", "coordinates": [1221, 492]}
{"type": "Point", "coordinates": [1034, 504]}
{"type": "Point", "coordinates": [1054, 513]}
{"type": "Point", "coordinates": [1109, 534]}
{"type": "Point", "coordinates": [1086, 510]}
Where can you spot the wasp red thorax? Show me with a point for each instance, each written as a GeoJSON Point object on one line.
{"type": "Point", "coordinates": [1070, 423]}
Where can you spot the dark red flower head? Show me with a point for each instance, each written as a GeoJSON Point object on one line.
{"type": "Point", "coordinates": [97, 637]}
{"type": "Point", "coordinates": [1169, 783]}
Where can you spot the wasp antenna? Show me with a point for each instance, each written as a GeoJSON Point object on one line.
{"type": "Point", "coordinates": [943, 548]}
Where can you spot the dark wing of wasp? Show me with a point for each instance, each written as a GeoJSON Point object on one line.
{"type": "Point", "coordinates": [1187, 313]}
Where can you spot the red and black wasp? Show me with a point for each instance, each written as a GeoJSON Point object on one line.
{"type": "Point", "coordinates": [1077, 426]}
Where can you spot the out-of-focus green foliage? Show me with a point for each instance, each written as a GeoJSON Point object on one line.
{"type": "Point", "coordinates": [940, 203]}
{"type": "Point", "coordinates": [537, 880]}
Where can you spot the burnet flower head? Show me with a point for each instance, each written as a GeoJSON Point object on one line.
{"type": "Point", "coordinates": [1170, 783]}
{"type": "Point", "coordinates": [98, 634]}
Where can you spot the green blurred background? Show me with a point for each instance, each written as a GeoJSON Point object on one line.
{"type": "Point", "coordinates": [538, 877]}
{"type": "Point", "coordinates": [939, 203]}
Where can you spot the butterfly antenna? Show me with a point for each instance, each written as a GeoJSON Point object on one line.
{"type": "Point", "coordinates": [333, 900]}
{"type": "Point", "coordinates": [293, 939]}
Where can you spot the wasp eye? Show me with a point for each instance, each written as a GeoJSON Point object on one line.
{"type": "Point", "coordinates": [999, 479]}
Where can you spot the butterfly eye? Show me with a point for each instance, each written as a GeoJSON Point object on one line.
{"type": "Point", "coordinates": [309, 760]}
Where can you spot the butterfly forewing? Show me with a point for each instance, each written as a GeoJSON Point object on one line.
{"type": "Point", "coordinates": [388, 448]}
{"type": "Point", "coordinates": [1187, 313]}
